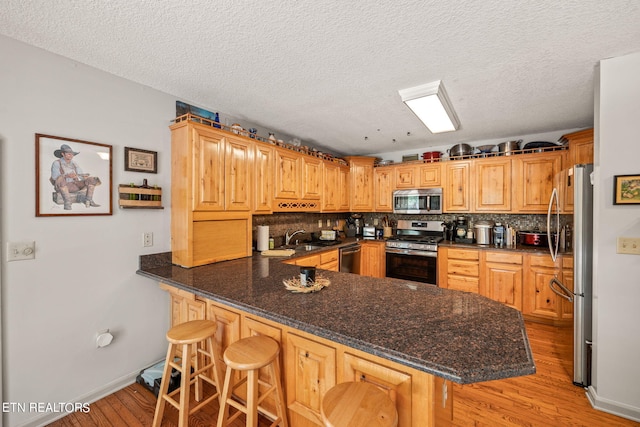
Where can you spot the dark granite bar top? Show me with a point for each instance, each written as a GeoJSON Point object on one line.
{"type": "Point", "coordinates": [456, 335]}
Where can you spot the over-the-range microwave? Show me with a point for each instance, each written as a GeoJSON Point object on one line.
{"type": "Point", "coordinates": [418, 201]}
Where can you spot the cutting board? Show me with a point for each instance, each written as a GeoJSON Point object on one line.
{"type": "Point", "coordinates": [278, 252]}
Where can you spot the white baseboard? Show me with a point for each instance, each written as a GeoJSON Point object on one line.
{"type": "Point", "coordinates": [615, 408]}
{"type": "Point", "coordinates": [110, 388]}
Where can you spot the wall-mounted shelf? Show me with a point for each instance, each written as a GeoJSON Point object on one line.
{"type": "Point", "coordinates": [140, 197]}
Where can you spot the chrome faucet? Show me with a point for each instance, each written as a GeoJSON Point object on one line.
{"type": "Point", "coordinates": [287, 236]}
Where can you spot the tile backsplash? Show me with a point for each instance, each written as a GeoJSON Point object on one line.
{"type": "Point", "coordinates": [279, 223]}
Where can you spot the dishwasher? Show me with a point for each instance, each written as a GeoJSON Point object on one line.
{"type": "Point", "coordinates": [350, 259]}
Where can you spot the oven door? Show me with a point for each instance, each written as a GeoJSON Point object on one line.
{"type": "Point", "coordinates": [419, 266]}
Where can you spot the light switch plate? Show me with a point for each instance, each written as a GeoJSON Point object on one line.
{"type": "Point", "coordinates": [629, 245]}
{"type": "Point", "coordinates": [18, 251]}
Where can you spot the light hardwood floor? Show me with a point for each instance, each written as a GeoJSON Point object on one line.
{"type": "Point", "coordinates": [547, 398]}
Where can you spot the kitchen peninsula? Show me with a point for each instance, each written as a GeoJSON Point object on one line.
{"type": "Point", "coordinates": [406, 337]}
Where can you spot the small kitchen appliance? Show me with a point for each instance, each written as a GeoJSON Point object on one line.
{"type": "Point", "coordinates": [461, 230]}
{"type": "Point", "coordinates": [418, 201]}
{"type": "Point", "coordinates": [484, 232]}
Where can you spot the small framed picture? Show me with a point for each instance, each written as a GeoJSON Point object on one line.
{"type": "Point", "coordinates": [137, 160]}
{"type": "Point", "coordinates": [73, 177]}
{"type": "Point", "coordinates": [626, 189]}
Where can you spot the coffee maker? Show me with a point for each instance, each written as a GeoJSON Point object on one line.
{"type": "Point", "coordinates": [461, 228]}
{"type": "Point", "coordinates": [357, 222]}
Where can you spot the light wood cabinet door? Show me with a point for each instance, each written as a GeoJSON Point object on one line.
{"type": "Point", "coordinates": [331, 188]}
{"type": "Point", "coordinates": [361, 188]}
{"type": "Point", "coordinates": [184, 306]}
{"type": "Point", "coordinates": [264, 160]}
{"type": "Point", "coordinates": [208, 171]}
{"type": "Point", "coordinates": [396, 384]}
{"type": "Point", "coordinates": [372, 259]}
{"type": "Point", "coordinates": [406, 177]}
{"type": "Point", "coordinates": [503, 283]}
{"type": "Point", "coordinates": [311, 178]}
{"type": "Point", "coordinates": [457, 186]}
{"type": "Point", "coordinates": [238, 179]}
{"type": "Point", "coordinates": [430, 175]}
{"type": "Point", "coordinates": [535, 176]}
{"type": "Point", "coordinates": [288, 174]}
{"type": "Point", "coordinates": [492, 185]}
{"type": "Point", "coordinates": [345, 190]}
{"type": "Point", "coordinates": [459, 269]}
{"type": "Point", "coordinates": [310, 371]}
{"type": "Point", "coordinates": [539, 300]}
{"type": "Point", "coordinates": [228, 330]}
{"type": "Point", "coordinates": [383, 189]}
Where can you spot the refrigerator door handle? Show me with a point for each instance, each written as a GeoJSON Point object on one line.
{"type": "Point", "coordinates": [553, 251]}
{"type": "Point", "coordinates": [564, 292]}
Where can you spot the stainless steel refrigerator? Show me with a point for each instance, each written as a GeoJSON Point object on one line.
{"type": "Point", "coordinates": [582, 295]}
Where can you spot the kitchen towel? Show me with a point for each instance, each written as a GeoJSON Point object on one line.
{"type": "Point", "coordinates": [262, 238]}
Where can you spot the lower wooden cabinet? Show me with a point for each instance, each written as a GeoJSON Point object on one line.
{"type": "Point", "coordinates": [372, 258]}
{"type": "Point", "coordinates": [519, 280]}
{"type": "Point", "coordinates": [503, 277]}
{"type": "Point", "coordinates": [326, 260]}
{"type": "Point", "coordinates": [311, 365]}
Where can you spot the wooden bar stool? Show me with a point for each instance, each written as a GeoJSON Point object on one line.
{"type": "Point", "coordinates": [249, 355]}
{"type": "Point", "coordinates": [358, 404]}
{"type": "Point", "coordinates": [186, 342]}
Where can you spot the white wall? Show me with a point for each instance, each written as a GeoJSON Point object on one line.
{"type": "Point", "coordinates": [616, 276]}
{"type": "Point", "coordinates": [83, 278]}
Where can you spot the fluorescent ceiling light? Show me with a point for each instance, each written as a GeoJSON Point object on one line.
{"type": "Point", "coordinates": [430, 103]}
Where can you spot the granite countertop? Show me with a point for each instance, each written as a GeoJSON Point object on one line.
{"type": "Point", "coordinates": [456, 335]}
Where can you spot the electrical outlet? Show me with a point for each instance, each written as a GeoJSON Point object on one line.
{"type": "Point", "coordinates": [319, 223]}
{"type": "Point", "coordinates": [18, 251]}
{"type": "Point", "coordinates": [147, 239]}
{"type": "Point", "coordinates": [328, 223]}
{"type": "Point", "coordinates": [629, 245]}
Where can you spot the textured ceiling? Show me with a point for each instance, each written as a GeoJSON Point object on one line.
{"type": "Point", "coordinates": [328, 72]}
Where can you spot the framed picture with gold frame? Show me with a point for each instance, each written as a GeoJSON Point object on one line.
{"type": "Point", "coordinates": [73, 177]}
{"type": "Point", "coordinates": [626, 189]}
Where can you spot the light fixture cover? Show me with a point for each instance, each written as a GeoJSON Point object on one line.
{"type": "Point", "coordinates": [430, 103]}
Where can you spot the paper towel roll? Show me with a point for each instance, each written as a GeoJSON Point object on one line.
{"type": "Point", "coordinates": [262, 238]}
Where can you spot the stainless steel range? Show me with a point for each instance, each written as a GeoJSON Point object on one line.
{"type": "Point", "coordinates": [412, 252]}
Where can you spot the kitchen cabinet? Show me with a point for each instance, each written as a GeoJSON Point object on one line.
{"type": "Point", "coordinates": [288, 174]}
{"type": "Point", "coordinates": [535, 176]}
{"type": "Point", "coordinates": [457, 186]}
{"type": "Point", "coordinates": [396, 384]}
{"type": "Point", "coordinates": [310, 372]}
{"type": "Point", "coordinates": [211, 185]}
{"type": "Point", "coordinates": [264, 162]}
{"type": "Point", "coordinates": [430, 175]}
{"type": "Point", "coordinates": [372, 258]}
{"type": "Point", "coordinates": [539, 301]}
{"type": "Point", "coordinates": [335, 193]}
{"type": "Point", "coordinates": [459, 269]}
{"type": "Point", "coordinates": [580, 152]}
{"type": "Point", "coordinates": [311, 178]}
{"type": "Point", "coordinates": [361, 183]}
{"type": "Point", "coordinates": [492, 184]}
{"type": "Point", "coordinates": [184, 305]}
{"type": "Point", "coordinates": [503, 272]}
{"type": "Point", "coordinates": [325, 260]}
{"type": "Point", "coordinates": [383, 189]}
{"type": "Point", "coordinates": [227, 332]}
{"type": "Point", "coordinates": [406, 176]}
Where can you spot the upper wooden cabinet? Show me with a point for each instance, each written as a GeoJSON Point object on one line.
{"type": "Point", "coordinates": [288, 174]}
{"type": "Point", "coordinates": [361, 178]}
{"type": "Point", "coordinates": [429, 175]}
{"type": "Point", "coordinates": [264, 161]}
{"type": "Point", "coordinates": [492, 184]}
{"type": "Point", "coordinates": [406, 176]}
{"type": "Point", "coordinates": [535, 176]}
{"type": "Point", "coordinates": [335, 188]}
{"type": "Point", "coordinates": [383, 189]}
{"type": "Point", "coordinates": [311, 178]}
{"type": "Point", "coordinates": [457, 186]}
{"type": "Point", "coordinates": [580, 147]}
{"type": "Point", "coordinates": [238, 173]}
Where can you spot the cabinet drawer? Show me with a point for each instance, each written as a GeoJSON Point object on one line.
{"type": "Point", "coordinates": [503, 257]}
{"type": "Point", "coordinates": [469, 254]}
{"type": "Point", "coordinates": [331, 266]}
{"type": "Point", "coordinates": [542, 261]}
{"type": "Point", "coordinates": [329, 256]}
{"type": "Point", "coordinates": [466, 284]}
{"type": "Point", "coordinates": [567, 262]}
{"type": "Point", "coordinates": [464, 268]}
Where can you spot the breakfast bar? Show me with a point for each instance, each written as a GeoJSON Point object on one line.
{"type": "Point", "coordinates": [409, 337]}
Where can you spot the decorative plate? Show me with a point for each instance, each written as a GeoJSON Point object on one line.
{"type": "Point", "coordinates": [294, 286]}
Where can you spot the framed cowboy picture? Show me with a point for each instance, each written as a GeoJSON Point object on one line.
{"type": "Point", "coordinates": [73, 177]}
